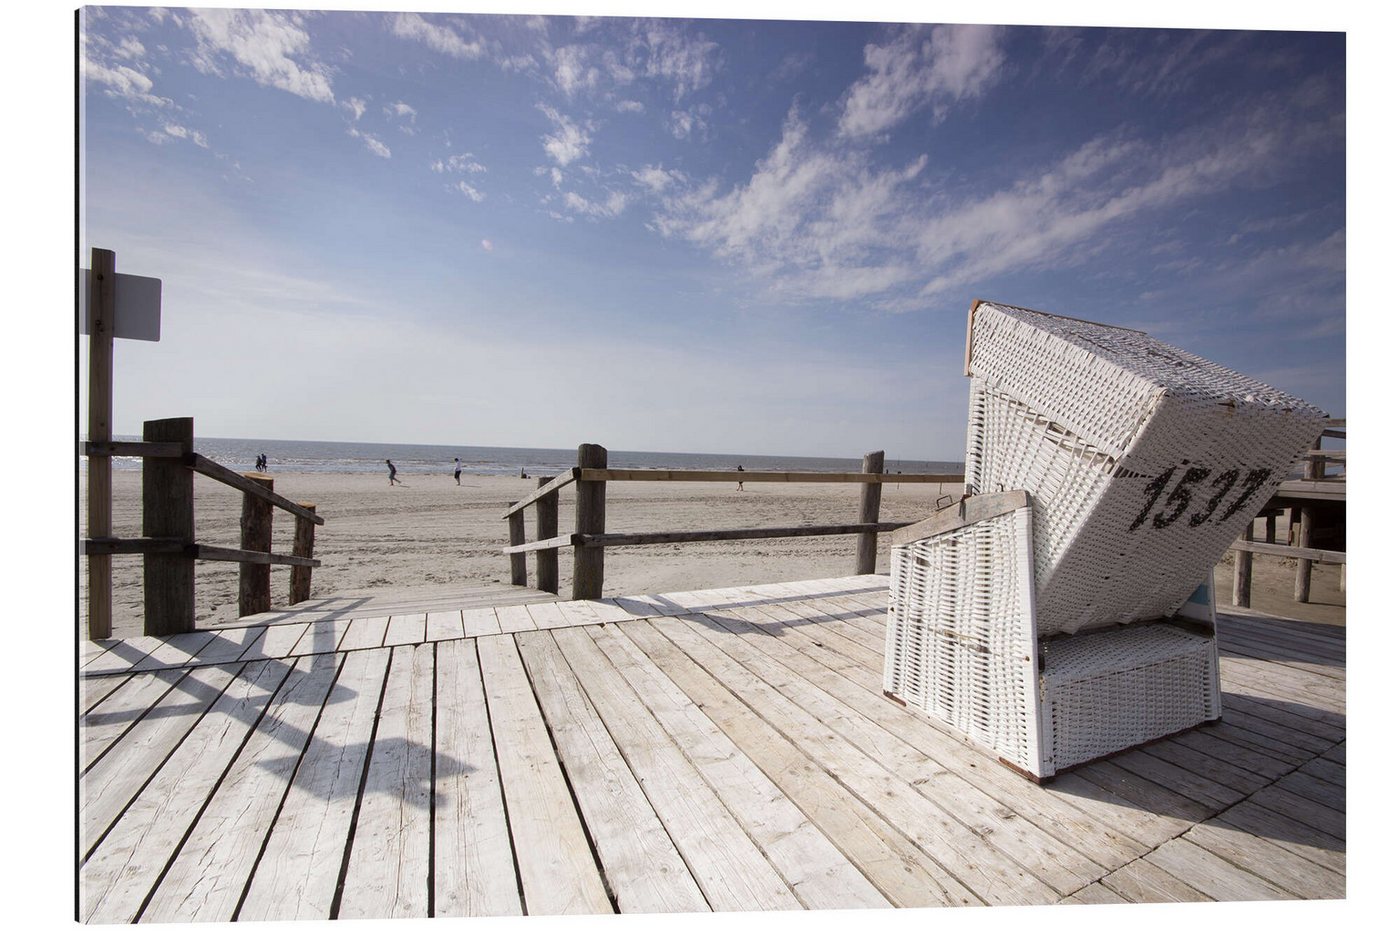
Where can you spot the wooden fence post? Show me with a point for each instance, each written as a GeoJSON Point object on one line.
{"type": "Point", "coordinates": [101, 309]}
{"type": "Point", "coordinates": [167, 511]}
{"type": "Point", "coordinates": [547, 526]}
{"type": "Point", "coordinates": [303, 546]}
{"type": "Point", "coordinates": [516, 524]}
{"type": "Point", "coordinates": [1315, 469]}
{"type": "Point", "coordinates": [255, 580]}
{"type": "Point", "coordinates": [1244, 569]}
{"type": "Point", "coordinates": [869, 512]}
{"type": "Point", "coordinates": [590, 518]}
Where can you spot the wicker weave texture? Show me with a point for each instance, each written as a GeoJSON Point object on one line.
{"type": "Point", "coordinates": [1143, 462]}
{"type": "Point", "coordinates": [960, 633]}
{"type": "Point", "coordinates": [1113, 690]}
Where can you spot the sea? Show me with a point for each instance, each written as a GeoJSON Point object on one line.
{"type": "Point", "coordinates": [362, 457]}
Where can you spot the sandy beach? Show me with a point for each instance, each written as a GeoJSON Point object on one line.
{"type": "Point", "coordinates": [431, 534]}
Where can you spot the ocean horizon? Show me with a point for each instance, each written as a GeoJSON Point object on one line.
{"type": "Point", "coordinates": [368, 457]}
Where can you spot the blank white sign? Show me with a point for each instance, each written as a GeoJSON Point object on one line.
{"type": "Point", "coordinates": [137, 313]}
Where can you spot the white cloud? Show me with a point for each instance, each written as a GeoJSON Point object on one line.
{"type": "Point", "coordinates": [572, 72]}
{"type": "Point", "coordinates": [921, 67]}
{"type": "Point", "coordinates": [442, 39]}
{"type": "Point", "coordinates": [123, 81]}
{"type": "Point", "coordinates": [629, 106]}
{"type": "Point", "coordinates": [355, 105]}
{"type": "Point", "coordinates": [470, 192]}
{"type": "Point", "coordinates": [610, 206]}
{"type": "Point", "coordinates": [656, 179]}
{"type": "Point", "coordinates": [400, 109]}
{"type": "Point", "coordinates": [687, 61]}
{"type": "Point", "coordinates": [570, 140]}
{"type": "Point", "coordinates": [462, 162]}
{"type": "Point", "coordinates": [179, 132]}
{"type": "Point", "coordinates": [488, 246]}
{"type": "Point", "coordinates": [272, 48]}
{"type": "Point", "coordinates": [372, 143]}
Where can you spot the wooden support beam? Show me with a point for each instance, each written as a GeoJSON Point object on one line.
{"type": "Point", "coordinates": [303, 546]}
{"type": "Point", "coordinates": [1244, 570]}
{"type": "Point", "coordinates": [130, 449]}
{"type": "Point", "coordinates": [516, 522]}
{"type": "Point", "coordinates": [1315, 469]}
{"type": "Point", "coordinates": [874, 463]}
{"type": "Point", "coordinates": [612, 539]}
{"type": "Point", "coordinates": [965, 512]}
{"type": "Point", "coordinates": [255, 524]}
{"type": "Point", "coordinates": [242, 556]}
{"type": "Point", "coordinates": [102, 299]}
{"type": "Point", "coordinates": [545, 544]}
{"type": "Point", "coordinates": [563, 480]}
{"type": "Point", "coordinates": [590, 518]}
{"type": "Point", "coordinates": [1319, 555]}
{"type": "Point", "coordinates": [167, 511]}
{"type": "Point", "coordinates": [547, 527]}
{"type": "Point", "coordinates": [238, 481]}
{"type": "Point", "coordinates": [762, 476]}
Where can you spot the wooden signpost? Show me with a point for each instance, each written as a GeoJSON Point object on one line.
{"type": "Point", "coordinates": [111, 305]}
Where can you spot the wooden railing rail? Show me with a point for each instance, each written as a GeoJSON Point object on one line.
{"type": "Point", "coordinates": [1299, 501]}
{"type": "Point", "coordinates": [590, 537]}
{"type": "Point", "coordinates": [167, 544]}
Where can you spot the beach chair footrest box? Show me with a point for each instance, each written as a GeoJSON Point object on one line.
{"type": "Point", "coordinates": [1103, 692]}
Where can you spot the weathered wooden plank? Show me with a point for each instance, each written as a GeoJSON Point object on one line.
{"type": "Point", "coordinates": [217, 471]}
{"type": "Point", "coordinates": [115, 779]}
{"type": "Point", "coordinates": [1237, 782]}
{"type": "Point", "coordinates": [731, 871]}
{"type": "Point", "coordinates": [1141, 881]}
{"type": "Point", "coordinates": [1148, 795]}
{"type": "Point", "coordinates": [442, 625]}
{"type": "Point", "coordinates": [92, 690]}
{"type": "Point", "coordinates": [1337, 753]}
{"type": "Point", "coordinates": [514, 618]}
{"type": "Point", "coordinates": [645, 873]}
{"type": "Point", "coordinates": [1315, 789]}
{"type": "Point", "coordinates": [900, 870]}
{"type": "Point", "coordinates": [480, 621]}
{"type": "Point", "coordinates": [992, 874]}
{"type": "Point", "coordinates": [859, 689]}
{"type": "Point", "coordinates": [1212, 795]}
{"type": "Point", "coordinates": [275, 642]}
{"type": "Point", "coordinates": [406, 629]}
{"type": "Point", "coordinates": [1211, 743]}
{"type": "Point", "coordinates": [819, 875]}
{"type": "Point", "coordinates": [120, 658]}
{"type": "Point", "coordinates": [1307, 842]}
{"type": "Point", "coordinates": [1211, 875]}
{"type": "Point", "coordinates": [321, 636]}
{"type": "Point", "coordinates": [122, 869]}
{"type": "Point", "coordinates": [175, 651]}
{"type": "Point", "coordinates": [1331, 772]}
{"type": "Point", "coordinates": [761, 476]}
{"type": "Point", "coordinates": [1290, 872]}
{"type": "Point", "coordinates": [296, 875]}
{"type": "Point", "coordinates": [473, 865]}
{"type": "Point", "coordinates": [365, 632]}
{"type": "Point", "coordinates": [1302, 810]}
{"type": "Point", "coordinates": [1304, 745]}
{"type": "Point", "coordinates": [1062, 868]}
{"type": "Point", "coordinates": [206, 879]}
{"type": "Point", "coordinates": [1095, 894]}
{"type": "Point", "coordinates": [387, 869]}
{"type": "Point", "coordinates": [100, 727]}
{"type": "Point", "coordinates": [228, 645]}
{"type": "Point", "coordinates": [547, 616]}
{"type": "Point", "coordinates": [557, 871]}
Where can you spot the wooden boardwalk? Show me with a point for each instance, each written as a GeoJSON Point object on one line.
{"type": "Point", "coordinates": [720, 750]}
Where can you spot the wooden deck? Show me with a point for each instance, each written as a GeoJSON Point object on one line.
{"type": "Point", "coordinates": [722, 750]}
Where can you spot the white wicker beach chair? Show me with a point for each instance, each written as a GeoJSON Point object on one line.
{"type": "Point", "coordinates": [1056, 614]}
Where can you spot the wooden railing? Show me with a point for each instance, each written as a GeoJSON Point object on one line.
{"type": "Point", "coordinates": [167, 541]}
{"type": "Point", "coordinates": [590, 537]}
{"type": "Point", "coordinates": [1293, 499]}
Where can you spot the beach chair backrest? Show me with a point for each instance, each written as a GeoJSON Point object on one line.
{"type": "Point", "coordinates": [1144, 462]}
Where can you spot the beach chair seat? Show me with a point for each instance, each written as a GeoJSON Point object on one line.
{"type": "Point", "coordinates": [1057, 614]}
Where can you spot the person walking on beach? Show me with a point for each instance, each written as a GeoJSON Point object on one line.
{"type": "Point", "coordinates": [393, 473]}
{"type": "Point", "coordinates": [740, 468]}
{"type": "Point", "coordinates": [457, 470]}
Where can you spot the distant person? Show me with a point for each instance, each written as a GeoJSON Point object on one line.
{"type": "Point", "coordinates": [457, 470]}
{"type": "Point", "coordinates": [740, 468]}
{"type": "Point", "coordinates": [262, 463]}
{"type": "Point", "coordinates": [393, 473]}
{"type": "Point", "coordinates": [523, 474]}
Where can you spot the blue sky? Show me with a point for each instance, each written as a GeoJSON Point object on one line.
{"type": "Point", "coordinates": [711, 235]}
